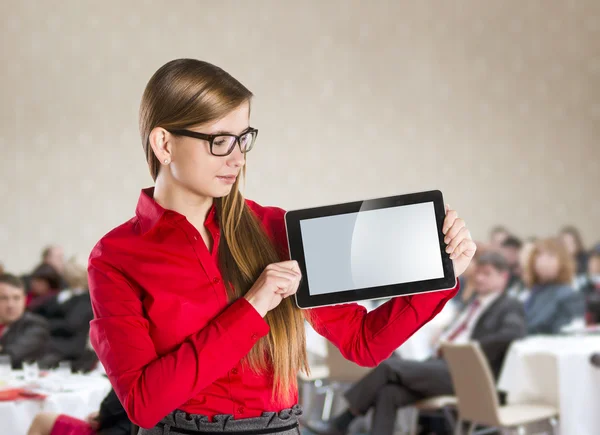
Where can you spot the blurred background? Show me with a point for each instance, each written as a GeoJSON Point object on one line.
{"type": "Point", "coordinates": [496, 104]}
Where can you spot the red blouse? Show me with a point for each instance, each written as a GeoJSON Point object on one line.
{"type": "Point", "coordinates": [169, 338]}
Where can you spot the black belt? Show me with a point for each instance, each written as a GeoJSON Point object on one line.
{"type": "Point", "coordinates": [267, 431]}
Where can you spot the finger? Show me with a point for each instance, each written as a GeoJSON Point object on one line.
{"type": "Point", "coordinates": [290, 264]}
{"type": "Point", "coordinates": [278, 283]}
{"type": "Point", "coordinates": [449, 220]}
{"type": "Point", "coordinates": [452, 232]}
{"type": "Point", "coordinates": [447, 208]}
{"type": "Point", "coordinates": [280, 272]}
{"type": "Point", "coordinates": [292, 288]}
{"type": "Point", "coordinates": [289, 292]}
{"type": "Point", "coordinates": [286, 266]}
{"type": "Point", "coordinates": [462, 234]}
{"type": "Point", "coordinates": [284, 293]}
{"type": "Point", "coordinates": [466, 247]}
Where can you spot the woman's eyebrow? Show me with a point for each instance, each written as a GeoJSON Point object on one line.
{"type": "Point", "coordinates": [228, 132]}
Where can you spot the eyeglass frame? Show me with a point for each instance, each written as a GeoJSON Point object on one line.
{"type": "Point", "coordinates": [211, 137]}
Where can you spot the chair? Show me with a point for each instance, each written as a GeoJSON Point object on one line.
{"type": "Point", "coordinates": [341, 373]}
{"type": "Point", "coordinates": [433, 406]}
{"type": "Point", "coordinates": [314, 381]}
{"type": "Point", "coordinates": [477, 396]}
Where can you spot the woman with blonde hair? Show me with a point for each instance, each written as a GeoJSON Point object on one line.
{"type": "Point", "coordinates": [552, 302]}
{"type": "Point", "coordinates": [193, 317]}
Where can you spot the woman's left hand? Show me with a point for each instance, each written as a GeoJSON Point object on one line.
{"type": "Point", "coordinates": [460, 246]}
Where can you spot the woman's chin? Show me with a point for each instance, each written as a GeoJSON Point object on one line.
{"type": "Point", "coordinates": [222, 191]}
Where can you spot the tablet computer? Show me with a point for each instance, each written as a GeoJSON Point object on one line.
{"type": "Point", "coordinates": [372, 249]}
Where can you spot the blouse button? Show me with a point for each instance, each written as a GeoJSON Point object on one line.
{"type": "Point", "coordinates": [234, 371]}
{"type": "Point", "coordinates": [254, 336]}
{"type": "Point", "coordinates": [216, 280]}
{"type": "Point", "coordinates": [195, 237]}
{"type": "Point", "coordinates": [241, 410]}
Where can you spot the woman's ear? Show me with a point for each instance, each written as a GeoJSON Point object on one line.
{"type": "Point", "coordinates": [161, 145]}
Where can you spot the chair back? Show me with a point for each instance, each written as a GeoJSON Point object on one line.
{"type": "Point", "coordinates": [473, 383]}
{"type": "Point", "coordinates": [340, 369]}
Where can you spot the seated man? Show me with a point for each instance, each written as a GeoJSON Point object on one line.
{"type": "Point", "coordinates": [492, 318]}
{"type": "Point", "coordinates": [23, 335]}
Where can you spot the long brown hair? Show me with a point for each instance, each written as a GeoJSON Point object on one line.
{"type": "Point", "coordinates": [566, 266]}
{"type": "Point", "coordinates": [184, 93]}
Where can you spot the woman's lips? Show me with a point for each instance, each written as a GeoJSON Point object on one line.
{"type": "Point", "coordinates": [230, 179]}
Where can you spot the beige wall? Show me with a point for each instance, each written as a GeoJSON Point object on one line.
{"type": "Point", "coordinates": [496, 103]}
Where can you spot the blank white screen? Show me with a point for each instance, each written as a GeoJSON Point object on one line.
{"type": "Point", "coordinates": [371, 248]}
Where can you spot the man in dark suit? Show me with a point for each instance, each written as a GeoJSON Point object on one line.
{"type": "Point", "coordinates": [23, 335]}
{"type": "Point", "coordinates": [491, 318]}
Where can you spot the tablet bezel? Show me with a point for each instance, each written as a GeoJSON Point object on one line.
{"type": "Point", "coordinates": [296, 248]}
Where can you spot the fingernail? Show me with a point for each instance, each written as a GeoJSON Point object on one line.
{"type": "Point", "coordinates": [449, 249]}
{"type": "Point", "coordinates": [446, 240]}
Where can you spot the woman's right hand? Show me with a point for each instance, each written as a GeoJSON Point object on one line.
{"type": "Point", "coordinates": [277, 282]}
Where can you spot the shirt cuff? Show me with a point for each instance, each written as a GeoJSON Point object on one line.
{"type": "Point", "coordinates": [243, 322]}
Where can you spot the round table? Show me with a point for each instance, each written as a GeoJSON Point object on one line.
{"type": "Point", "coordinates": [556, 370]}
{"type": "Point", "coordinates": [82, 395]}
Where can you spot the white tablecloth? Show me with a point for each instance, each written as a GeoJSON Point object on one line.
{"type": "Point", "coordinates": [556, 371]}
{"type": "Point", "coordinates": [82, 396]}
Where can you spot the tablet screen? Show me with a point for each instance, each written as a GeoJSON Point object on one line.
{"type": "Point", "coordinates": [371, 248]}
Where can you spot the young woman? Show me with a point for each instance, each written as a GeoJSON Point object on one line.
{"type": "Point", "coordinates": [571, 237]}
{"type": "Point", "coordinates": [552, 303]}
{"type": "Point", "coordinates": [193, 317]}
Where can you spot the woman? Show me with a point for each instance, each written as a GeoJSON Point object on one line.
{"type": "Point", "coordinates": [591, 290]}
{"type": "Point", "coordinates": [519, 290]}
{"type": "Point", "coordinates": [552, 302]}
{"type": "Point", "coordinates": [571, 238]}
{"type": "Point", "coordinates": [193, 317]}
{"type": "Point", "coordinates": [110, 419]}
{"type": "Point", "coordinates": [44, 283]}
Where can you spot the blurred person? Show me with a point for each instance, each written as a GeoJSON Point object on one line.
{"type": "Point", "coordinates": [520, 290]}
{"type": "Point", "coordinates": [110, 419]}
{"type": "Point", "coordinates": [68, 313]}
{"type": "Point", "coordinates": [511, 249]}
{"type": "Point", "coordinates": [54, 255]}
{"type": "Point", "coordinates": [592, 289]}
{"type": "Point", "coordinates": [498, 234]}
{"type": "Point", "coordinates": [44, 283]}
{"type": "Point", "coordinates": [492, 318]}
{"type": "Point", "coordinates": [23, 335]}
{"type": "Point", "coordinates": [1, 268]}
{"type": "Point", "coordinates": [571, 238]}
{"type": "Point", "coordinates": [191, 297]}
{"type": "Point", "coordinates": [467, 282]}
{"type": "Point", "coordinates": [552, 303]}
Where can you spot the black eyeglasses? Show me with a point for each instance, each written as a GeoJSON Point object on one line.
{"type": "Point", "coordinates": [223, 144]}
